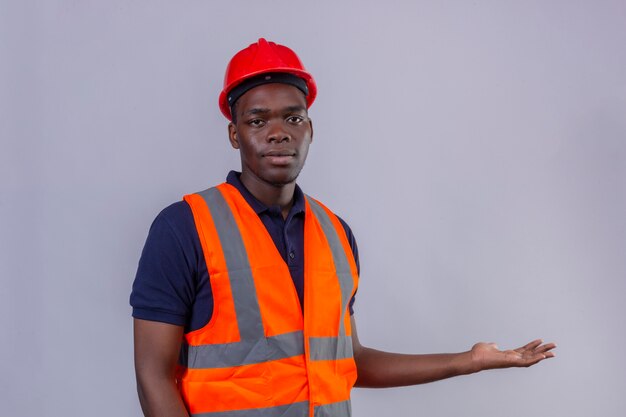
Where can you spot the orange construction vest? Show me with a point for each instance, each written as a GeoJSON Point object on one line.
{"type": "Point", "coordinates": [259, 355]}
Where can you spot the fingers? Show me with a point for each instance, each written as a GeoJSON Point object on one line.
{"type": "Point", "coordinates": [540, 353]}
{"type": "Point", "coordinates": [546, 348]}
{"type": "Point", "coordinates": [538, 357]}
{"type": "Point", "coordinates": [536, 346]}
{"type": "Point", "coordinates": [532, 345]}
{"type": "Point", "coordinates": [534, 352]}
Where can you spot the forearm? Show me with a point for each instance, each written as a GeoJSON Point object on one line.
{"type": "Point", "coordinates": [157, 346]}
{"type": "Point", "coordinates": [377, 369]}
{"type": "Point", "coordinates": [159, 397]}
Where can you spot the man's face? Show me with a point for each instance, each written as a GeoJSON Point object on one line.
{"type": "Point", "coordinates": [273, 133]}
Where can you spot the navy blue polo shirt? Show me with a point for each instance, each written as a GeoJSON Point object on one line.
{"type": "Point", "coordinates": [172, 282]}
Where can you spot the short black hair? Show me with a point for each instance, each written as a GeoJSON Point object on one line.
{"type": "Point", "coordinates": [233, 113]}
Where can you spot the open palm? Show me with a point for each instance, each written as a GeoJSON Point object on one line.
{"type": "Point", "coordinates": [488, 356]}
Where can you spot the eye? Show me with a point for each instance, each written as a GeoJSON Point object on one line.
{"type": "Point", "coordinates": [295, 119]}
{"type": "Point", "coordinates": [256, 122]}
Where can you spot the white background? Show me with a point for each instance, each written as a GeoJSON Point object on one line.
{"type": "Point", "coordinates": [477, 149]}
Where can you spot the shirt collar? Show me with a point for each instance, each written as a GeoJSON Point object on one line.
{"type": "Point", "coordinates": [258, 207]}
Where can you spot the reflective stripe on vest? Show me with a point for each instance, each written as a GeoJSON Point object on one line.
{"type": "Point", "coordinates": [241, 282]}
{"type": "Point", "coordinates": [340, 347]}
{"type": "Point", "coordinates": [300, 409]}
{"type": "Point", "coordinates": [290, 410]}
{"type": "Point", "coordinates": [253, 347]}
{"type": "Point", "coordinates": [342, 408]}
{"type": "Point", "coordinates": [246, 352]}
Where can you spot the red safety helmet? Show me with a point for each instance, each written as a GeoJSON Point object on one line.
{"type": "Point", "coordinates": [260, 58]}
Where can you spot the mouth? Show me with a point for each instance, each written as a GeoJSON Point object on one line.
{"type": "Point", "coordinates": [279, 153]}
{"type": "Point", "coordinates": [280, 156]}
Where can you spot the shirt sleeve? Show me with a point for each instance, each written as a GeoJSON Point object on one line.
{"type": "Point", "coordinates": [165, 283]}
{"type": "Point", "coordinates": [355, 252]}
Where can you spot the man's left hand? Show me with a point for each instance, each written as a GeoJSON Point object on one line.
{"type": "Point", "coordinates": [488, 356]}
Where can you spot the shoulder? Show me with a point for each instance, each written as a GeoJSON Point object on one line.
{"type": "Point", "coordinates": [346, 228]}
{"type": "Point", "coordinates": [351, 238]}
{"type": "Point", "coordinates": [344, 224]}
{"type": "Point", "coordinates": [348, 231]}
{"type": "Point", "coordinates": [173, 231]}
{"type": "Point", "coordinates": [175, 215]}
{"type": "Point", "coordinates": [175, 220]}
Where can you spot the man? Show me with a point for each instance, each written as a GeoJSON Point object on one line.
{"type": "Point", "coordinates": [243, 298]}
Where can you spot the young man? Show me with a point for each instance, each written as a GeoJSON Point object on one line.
{"type": "Point", "coordinates": [242, 303]}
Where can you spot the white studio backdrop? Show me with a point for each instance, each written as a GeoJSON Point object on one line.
{"type": "Point", "coordinates": [477, 149]}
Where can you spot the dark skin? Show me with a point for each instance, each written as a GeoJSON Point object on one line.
{"type": "Point", "coordinates": [157, 346]}
{"type": "Point", "coordinates": [273, 133]}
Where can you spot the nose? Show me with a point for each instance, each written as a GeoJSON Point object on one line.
{"type": "Point", "coordinates": [277, 133]}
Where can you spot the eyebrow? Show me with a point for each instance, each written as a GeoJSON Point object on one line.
{"type": "Point", "coordinates": [295, 108]}
{"type": "Point", "coordinates": [263, 110]}
{"type": "Point", "coordinates": [257, 110]}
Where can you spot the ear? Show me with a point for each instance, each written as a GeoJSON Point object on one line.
{"type": "Point", "coordinates": [232, 135]}
{"type": "Point", "coordinates": [311, 126]}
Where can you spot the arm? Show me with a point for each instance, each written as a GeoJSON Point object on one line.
{"type": "Point", "coordinates": [377, 369]}
{"type": "Point", "coordinates": [157, 346]}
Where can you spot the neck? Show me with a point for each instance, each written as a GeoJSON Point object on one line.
{"type": "Point", "coordinates": [270, 194]}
